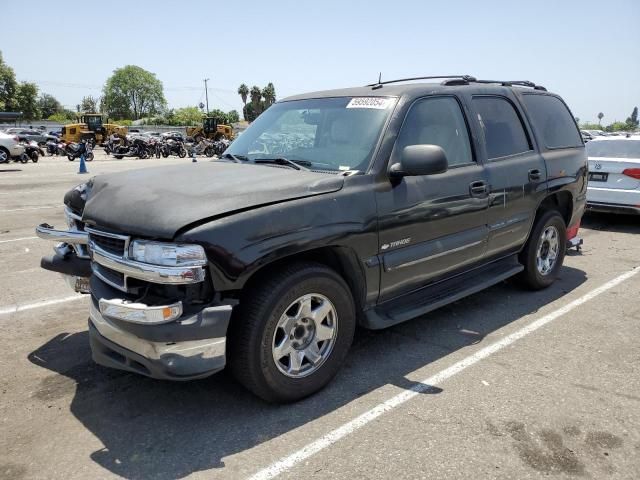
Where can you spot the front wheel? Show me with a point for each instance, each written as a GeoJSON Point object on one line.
{"type": "Point", "coordinates": [544, 251]}
{"type": "Point", "coordinates": [34, 157]}
{"type": "Point", "coordinates": [89, 157]}
{"type": "Point", "coordinates": [71, 158]}
{"type": "Point", "coordinates": [292, 332]}
{"type": "Point", "coordinates": [182, 153]}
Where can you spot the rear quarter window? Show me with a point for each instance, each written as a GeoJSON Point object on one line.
{"type": "Point", "coordinates": [552, 121]}
{"type": "Point", "coordinates": [503, 131]}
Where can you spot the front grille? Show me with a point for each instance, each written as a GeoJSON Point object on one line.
{"type": "Point", "coordinates": [112, 245]}
{"type": "Point", "coordinates": [113, 278]}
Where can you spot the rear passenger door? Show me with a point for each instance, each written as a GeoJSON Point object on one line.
{"type": "Point", "coordinates": [516, 171]}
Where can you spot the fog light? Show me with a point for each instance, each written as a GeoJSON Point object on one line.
{"type": "Point", "coordinates": [139, 312]}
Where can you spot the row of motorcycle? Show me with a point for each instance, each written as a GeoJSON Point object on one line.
{"type": "Point", "coordinates": [33, 151]}
{"type": "Point", "coordinates": [149, 146]}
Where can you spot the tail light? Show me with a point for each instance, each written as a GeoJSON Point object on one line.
{"type": "Point", "coordinates": [572, 231]}
{"type": "Point", "coordinates": [632, 172]}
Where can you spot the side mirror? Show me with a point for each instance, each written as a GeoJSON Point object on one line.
{"type": "Point", "coordinates": [417, 160]}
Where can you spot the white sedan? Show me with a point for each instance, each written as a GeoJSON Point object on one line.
{"type": "Point", "coordinates": [9, 147]}
{"type": "Point", "coordinates": [614, 174]}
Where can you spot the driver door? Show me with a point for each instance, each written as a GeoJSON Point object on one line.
{"type": "Point", "coordinates": [433, 225]}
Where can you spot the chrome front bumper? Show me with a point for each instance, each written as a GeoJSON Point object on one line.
{"type": "Point", "coordinates": [114, 347]}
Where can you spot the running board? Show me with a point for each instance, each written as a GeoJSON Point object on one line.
{"type": "Point", "coordinates": [439, 294]}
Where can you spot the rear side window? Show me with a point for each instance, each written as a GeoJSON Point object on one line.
{"type": "Point", "coordinates": [552, 121]}
{"type": "Point", "coordinates": [503, 131]}
{"type": "Point", "coordinates": [438, 121]}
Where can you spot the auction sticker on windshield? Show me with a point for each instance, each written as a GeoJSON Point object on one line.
{"type": "Point", "coordinates": [370, 102]}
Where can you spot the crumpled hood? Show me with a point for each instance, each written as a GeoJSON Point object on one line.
{"type": "Point", "coordinates": [157, 202]}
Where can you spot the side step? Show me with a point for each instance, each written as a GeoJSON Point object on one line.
{"type": "Point", "coordinates": [440, 294]}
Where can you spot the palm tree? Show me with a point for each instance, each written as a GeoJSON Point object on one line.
{"type": "Point", "coordinates": [269, 94]}
{"type": "Point", "coordinates": [256, 95]}
{"type": "Point", "coordinates": [243, 91]}
{"type": "Point", "coordinates": [600, 116]}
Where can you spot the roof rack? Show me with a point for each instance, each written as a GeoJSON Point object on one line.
{"type": "Point", "coordinates": [379, 83]}
{"type": "Point", "coordinates": [505, 83]}
{"type": "Point", "coordinates": [451, 80]}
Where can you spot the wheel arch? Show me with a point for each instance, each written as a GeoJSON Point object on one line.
{"type": "Point", "coordinates": [343, 260]}
{"type": "Point", "coordinates": [561, 201]}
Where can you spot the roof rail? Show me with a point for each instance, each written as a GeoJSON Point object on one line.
{"type": "Point", "coordinates": [379, 84]}
{"type": "Point", "coordinates": [509, 83]}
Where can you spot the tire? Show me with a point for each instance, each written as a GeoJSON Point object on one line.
{"type": "Point", "coordinates": [34, 157]}
{"type": "Point", "coordinates": [4, 155]}
{"type": "Point", "coordinates": [165, 154]}
{"type": "Point", "coordinates": [89, 157]}
{"type": "Point", "coordinates": [119, 157]}
{"type": "Point", "coordinates": [182, 153]}
{"type": "Point", "coordinates": [539, 271]}
{"type": "Point", "coordinates": [209, 152]}
{"type": "Point", "coordinates": [256, 329]}
{"type": "Point", "coordinates": [71, 158]}
{"type": "Point", "coordinates": [24, 158]}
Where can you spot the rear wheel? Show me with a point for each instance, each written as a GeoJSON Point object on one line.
{"type": "Point", "coordinates": [71, 158]}
{"type": "Point", "coordinates": [543, 253]}
{"type": "Point", "coordinates": [34, 157]}
{"type": "Point", "coordinates": [89, 157]}
{"type": "Point", "coordinates": [292, 332]}
{"type": "Point", "coordinates": [182, 153]}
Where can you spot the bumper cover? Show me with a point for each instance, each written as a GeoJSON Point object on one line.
{"type": "Point", "coordinates": [175, 358]}
{"type": "Point", "coordinates": [612, 208]}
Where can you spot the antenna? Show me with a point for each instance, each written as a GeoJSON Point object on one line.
{"type": "Point", "coordinates": [380, 78]}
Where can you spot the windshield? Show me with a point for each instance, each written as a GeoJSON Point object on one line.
{"type": "Point", "coordinates": [327, 134]}
{"type": "Point", "coordinates": [614, 148]}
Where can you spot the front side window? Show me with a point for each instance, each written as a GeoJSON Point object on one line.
{"type": "Point", "coordinates": [504, 134]}
{"type": "Point", "coordinates": [552, 121]}
{"type": "Point", "coordinates": [437, 121]}
{"type": "Point", "coordinates": [326, 133]}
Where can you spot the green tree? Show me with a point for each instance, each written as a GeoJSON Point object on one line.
{"type": "Point", "coordinates": [49, 105]}
{"type": "Point", "coordinates": [255, 107]}
{"type": "Point", "coordinates": [187, 116]}
{"type": "Point", "coordinates": [233, 116]}
{"type": "Point", "coordinates": [8, 87]}
{"type": "Point", "coordinates": [632, 121]}
{"type": "Point", "coordinates": [132, 92]}
{"type": "Point", "coordinates": [600, 117]}
{"type": "Point", "coordinates": [27, 100]}
{"type": "Point", "coordinates": [243, 91]}
{"type": "Point", "coordinates": [269, 94]}
{"type": "Point", "coordinates": [616, 127]}
{"type": "Point", "coordinates": [89, 104]}
{"type": "Point", "coordinates": [64, 117]}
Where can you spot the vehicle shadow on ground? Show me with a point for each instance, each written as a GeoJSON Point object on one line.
{"type": "Point", "coordinates": [610, 222]}
{"type": "Point", "coordinates": [165, 430]}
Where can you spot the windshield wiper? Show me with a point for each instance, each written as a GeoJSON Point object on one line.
{"type": "Point", "coordinates": [235, 158]}
{"type": "Point", "coordinates": [297, 164]}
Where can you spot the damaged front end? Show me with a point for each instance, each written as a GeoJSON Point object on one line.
{"type": "Point", "coordinates": [153, 307]}
{"type": "Point", "coordinates": [71, 255]}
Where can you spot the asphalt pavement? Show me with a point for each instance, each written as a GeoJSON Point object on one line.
{"type": "Point", "coordinates": [506, 384]}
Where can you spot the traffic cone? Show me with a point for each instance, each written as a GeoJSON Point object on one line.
{"type": "Point", "coordinates": [83, 166]}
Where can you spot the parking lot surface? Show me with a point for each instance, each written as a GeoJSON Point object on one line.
{"type": "Point", "coordinates": [520, 384]}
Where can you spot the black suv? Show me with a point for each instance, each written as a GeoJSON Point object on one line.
{"type": "Point", "coordinates": [364, 206]}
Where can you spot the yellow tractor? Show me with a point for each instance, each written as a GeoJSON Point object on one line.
{"type": "Point", "coordinates": [210, 129]}
{"type": "Point", "coordinates": [90, 127]}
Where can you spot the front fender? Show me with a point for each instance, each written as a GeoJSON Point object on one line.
{"type": "Point", "coordinates": [241, 244]}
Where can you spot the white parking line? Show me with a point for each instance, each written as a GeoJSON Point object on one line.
{"type": "Point", "coordinates": [17, 239]}
{"type": "Point", "coordinates": [44, 303]}
{"type": "Point", "coordinates": [332, 437]}
{"type": "Point", "coordinates": [30, 208]}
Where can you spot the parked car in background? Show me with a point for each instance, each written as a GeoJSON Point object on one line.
{"type": "Point", "coordinates": [597, 133]}
{"type": "Point", "coordinates": [9, 147]}
{"type": "Point", "coordinates": [586, 136]}
{"type": "Point", "coordinates": [28, 135]}
{"type": "Point", "coordinates": [614, 174]}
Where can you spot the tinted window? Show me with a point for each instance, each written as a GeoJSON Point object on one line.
{"type": "Point", "coordinates": [614, 148]}
{"type": "Point", "coordinates": [438, 121]}
{"type": "Point", "coordinates": [552, 121]}
{"type": "Point", "coordinates": [503, 131]}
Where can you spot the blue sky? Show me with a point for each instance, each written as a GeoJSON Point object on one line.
{"type": "Point", "coordinates": [587, 51]}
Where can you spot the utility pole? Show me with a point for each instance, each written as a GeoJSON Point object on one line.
{"type": "Point", "coordinates": [206, 94]}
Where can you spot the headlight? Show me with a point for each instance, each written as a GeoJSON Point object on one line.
{"type": "Point", "coordinates": [167, 254]}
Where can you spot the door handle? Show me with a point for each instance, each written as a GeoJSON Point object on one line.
{"type": "Point", "coordinates": [479, 188]}
{"type": "Point", "coordinates": [534, 174]}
